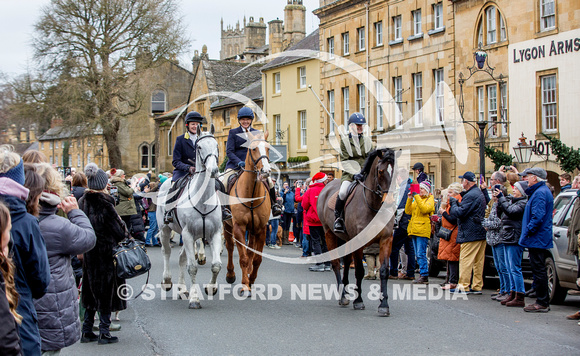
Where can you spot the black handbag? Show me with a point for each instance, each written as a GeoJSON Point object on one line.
{"type": "Point", "coordinates": [444, 233]}
{"type": "Point", "coordinates": [130, 259]}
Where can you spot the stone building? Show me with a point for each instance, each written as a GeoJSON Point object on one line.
{"type": "Point", "coordinates": [293, 111]}
{"type": "Point", "coordinates": [535, 45]}
{"type": "Point", "coordinates": [390, 60]}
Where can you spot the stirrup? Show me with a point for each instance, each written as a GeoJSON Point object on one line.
{"type": "Point", "coordinates": [226, 214]}
{"type": "Point", "coordinates": [276, 210]}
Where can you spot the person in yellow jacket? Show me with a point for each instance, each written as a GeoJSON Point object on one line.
{"type": "Point", "coordinates": [420, 207]}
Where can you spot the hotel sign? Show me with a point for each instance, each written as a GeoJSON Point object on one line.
{"type": "Point", "coordinates": [554, 48]}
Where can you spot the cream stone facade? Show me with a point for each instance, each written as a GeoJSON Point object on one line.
{"type": "Point", "coordinates": [407, 49]}
{"type": "Point", "coordinates": [292, 109]}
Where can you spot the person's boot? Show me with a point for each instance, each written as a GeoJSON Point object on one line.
{"type": "Point", "coordinates": [285, 235]}
{"type": "Point", "coordinates": [107, 339]}
{"type": "Point", "coordinates": [88, 337]}
{"type": "Point", "coordinates": [518, 301]}
{"type": "Point", "coordinates": [226, 212]}
{"type": "Point", "coordinates": [276, 208]}
{"type": "Point", "coordinates": [339, 221]}
{"type": "Point", "coordinates": [511, 297]}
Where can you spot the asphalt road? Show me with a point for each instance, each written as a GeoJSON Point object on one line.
{"type": "Point", "coordinates": [295, 323]}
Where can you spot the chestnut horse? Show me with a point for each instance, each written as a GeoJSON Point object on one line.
{"type": "Point", "coordinates": [366, 203]}
{"type": "Point", "coordinates": [250, 204]}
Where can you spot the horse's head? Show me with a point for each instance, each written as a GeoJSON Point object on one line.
{"type": "Point", "coordinates": [386, 168]}
{"type": "Point", "coordinates": [258, 151]}
{"type": "Point", "coordinates": [208, 152]}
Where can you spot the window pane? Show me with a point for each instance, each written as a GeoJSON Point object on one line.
{"type": "Point", "coordinates": [345, 104]}
{"type": "Point", "coordinates": [303, 141]}
{"type": "Point", "coordinates": [345, 43]}
{"type": "Point", "coordinates": [379, 33]}
{"type": "Point", "coordinates": [439, 102]}
{"type": "Point", "coordinates": [491, 24]}
{"type": "Point", "coordinates": [331, 109]}
{"type": "Point", "coordinates": [418, 92]}
{"type": "Point", "coordinates": [492, 110]}
{"type": "Point", "coordinates": [362, 99]}
{"type": "Point", "coordinates": [549, 104]}
{"type": "Point", "coordinates": [158, 101]}
{"type": "Point", "coordinates": [417, 22]}
{"type": "Point", "coordinates": [379, 92]}
{"type": "Point", "coordinates": [331, 47]}
{"type": "Point", "coordinates": [145, 157]}
{"type": "Point", "coordinates": [398, 86]}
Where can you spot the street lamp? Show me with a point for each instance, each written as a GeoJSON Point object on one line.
{"type": "Point", "coordinates": [480, 60]}
{"type": "Point", "coordinates": [523, 151]}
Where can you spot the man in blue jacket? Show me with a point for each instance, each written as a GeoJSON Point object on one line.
{"type": "Point", "coordinates": [288, 196]}
{"type": "Point", "coordinates": [184, 163]}
{"type": "Point", "coordinates": [537, 233]}
{"type": "Point", "coordinates": [237, 149]}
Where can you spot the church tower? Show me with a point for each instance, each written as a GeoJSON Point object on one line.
{"type": "Point", "coordinates": [294, 23]}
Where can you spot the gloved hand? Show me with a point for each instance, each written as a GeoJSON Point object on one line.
{"type": "Point", "coordinates": [358, 177]}
{"type": "Point", "coordinates": [191, 170]}
{"type": "Point", "coordinates": [241, 164]}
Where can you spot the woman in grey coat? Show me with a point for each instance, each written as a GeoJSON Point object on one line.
{"type": "Point", "coordinates": [58, 309]}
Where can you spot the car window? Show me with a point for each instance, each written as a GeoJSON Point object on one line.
{"type": "Point", "coordinates": [560, 207]}
{"type": "Point", "coordinates": [568, 216]}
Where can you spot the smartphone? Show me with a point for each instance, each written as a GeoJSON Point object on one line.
{"type": "Point", "coordinates": [497, 186]}
{"type": "Point", "coordinates": [415, 188]}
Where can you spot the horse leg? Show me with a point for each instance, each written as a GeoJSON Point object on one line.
{"type": "Point", "coordinates": [240, 236]}
{"type": "Point", "coordinates": [386, 245]}
{"type": "Point", "coordinates": [359, 272]}
{"type": "Point", "coordinates": [188, 243]}
{"type": "Point", "coordinates": [216, 263]}
{"type": "Point", "coordinates": [228, 237]}
{"type": "Point", "coordinates": [259, 240]}
{"type": "Point", "coordinates": [165, 235]}
{"type": "Point", "coordinates": [200, 252]}
{"type": "Point", "coordinates": [181, 279]}
{"type": "Point", "coordinates": [332, 244]}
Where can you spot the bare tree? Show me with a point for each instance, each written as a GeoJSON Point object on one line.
{"type": "Point", "coordinates": [104, 45]}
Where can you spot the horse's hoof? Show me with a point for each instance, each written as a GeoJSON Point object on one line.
{"type": "Point", "coordinates": [231, 279]}
{"type": "Point", "coordinates": [343, 302]}
{"type": "Point", "coordinates": [184, 295]}
{"type": "Point", "coordinates": [358, 306]}
{"type": "Point", "coordinates": [245, 293]}
{"type": "Point", "coordinates": [201, 262]}
{"type": "Point", "coordinates": [167, 286]}
{"type": "Point", "coordinates": [213, 290]}
{"type": "Point", "coordinates": [194, 305]}
{"type": "Point", "coordinates": [384, 312]}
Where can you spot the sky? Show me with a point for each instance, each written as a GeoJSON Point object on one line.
{"type": "Point", "coordinates": [202, 18]}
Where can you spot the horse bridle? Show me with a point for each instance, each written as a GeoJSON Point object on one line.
{"type": "Point", "coordinates": [209, 155]}
{"type": "Point", "coordinates": [255, 161]}
{"type": "Point", "coordinates": [379, 192]}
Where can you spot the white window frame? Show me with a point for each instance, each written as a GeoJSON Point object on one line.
{"type": "Point", "coordinates": [361, 99]}
{"type": "Point", "coordinates": [492, 109]}
{"type": "Point", "coordinates": [547, 15]}
{"type": "Point", "coordinates": [549, 100]}
{"type": "Point", "coordinates": [277, 84]}
{"type": "Point", "coordinates": [345, 44]}
{"type": "Point", "coordinates": [503, 109]}
{"type": "Point", "coordinates": [491, 18]}
{"type": "Point", "coordinates": [418, 96]}
{"type": "Point", "coordinates": [440, 96]}
{"type": "Point", "coordinates": [147, 156]}
{"type": "Point", "coordinates": [361, 38]}
{"type": "Point", "coordinates": [278, 129]}
{"type": "Point", "coordinates": [346, 103]}
{"type": "Point", "coordinates": [303, 129]}
{"type": "Point", "coordinates": [380, 112]}
{"type": "Point", "coordinates": [398, 90]}
{"type": "Point", "coordinates": [156, 101]}
{"type": "Point", "coordinates": [438, 15]}
{"type": "Point", "coordinates": [331, 104]}
{"type": "Point", "coordinates": [330, 43]}
{"type": "Point", "coordinates": [417, 23]}
{"type": "Point", "coordinates": [302, 75]}
{"type": "Point", "coordinates": [397, 29]}
{"type": "Point", "coordinates": [379, 33]}
{"type": "Point", "coordinates": [227, 118]}
{"type": "Point", "coordinates": [480, 104]}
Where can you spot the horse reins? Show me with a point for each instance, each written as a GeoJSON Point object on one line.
{"type": "Point", "coordinates": [379, 192]}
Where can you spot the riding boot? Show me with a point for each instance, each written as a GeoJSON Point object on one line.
{"type": "Point", "coordinates": [339, 222]}
{"type": "Point", "coordinates": [226, 213]}
{"type": "Point", "coordinates": [276, 208]}
{"type": "Point", "coordinates": [168, 217]}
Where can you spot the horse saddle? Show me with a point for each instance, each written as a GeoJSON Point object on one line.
{"type": "Point", "coordinates": [349, 196]}
{"type": "Point", "coordinates": [232, 180]}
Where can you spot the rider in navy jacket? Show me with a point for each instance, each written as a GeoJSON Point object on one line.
{"type": "Point", "coordinates": [183, 152]}
{"type": "Point", "coordinates": [237, 148]}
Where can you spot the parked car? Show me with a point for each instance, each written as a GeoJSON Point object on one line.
{"type": "Point", "coordinates": [560, 267]}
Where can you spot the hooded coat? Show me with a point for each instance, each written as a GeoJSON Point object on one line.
{"type": "Point", "coordinates": [420, 208]}
{"type": "Point", "coordinates": [58, 309]}
{"type": "Point", "coordinates": [32, 272]}
{"type": "Point", "coordinates": [449, 250]}
{"type": "Point", "coordinates": [100, 281]}
{"type": "Point", "coordinates": [126, 206]}
{"type": "Point", "coordinates": [511, 212]}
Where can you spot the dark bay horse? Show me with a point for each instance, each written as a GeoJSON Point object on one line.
{"type": "Point", "coordinates": [360, 213]}
{"type": "Point", "coordinates": [250, 204]}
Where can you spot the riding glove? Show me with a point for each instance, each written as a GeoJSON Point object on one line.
{"type": "Point", "coordinates": [358, 177]}
{"type": "Point", "coordinates": [191, 170]}
{"type": "Point", "coordinates": [241, 164]}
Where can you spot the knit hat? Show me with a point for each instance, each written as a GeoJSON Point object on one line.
{"type": "Point", "coordinates": [319, 177]}
{"type": "Point", "coordinates": [16, 173]}
{"type": "Point", "coordinates": [426, 185]}
{"type": "Point", "coordinates": [521, 185]}
{"type": "Point", "coordinates": [96, 177]}
{"type": "Point", "coordinates": [117, 172]}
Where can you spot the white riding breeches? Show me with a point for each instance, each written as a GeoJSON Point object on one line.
{"type": "Point", "coordinates": [343, 190]}
{"type": "Point", "coordinates": [229, 172]}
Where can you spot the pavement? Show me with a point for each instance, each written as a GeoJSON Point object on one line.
{"type": "Point", "coordinates": [299, 319]}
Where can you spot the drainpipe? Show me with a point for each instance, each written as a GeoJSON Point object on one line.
{"type": "Point", "coordinates": [367, 96]}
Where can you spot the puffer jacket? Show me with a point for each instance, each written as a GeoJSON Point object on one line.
{"type": "Point", "coordinates": [58, 310]}
{"type": "Point", "coordinates": [511, 212]}
{"type": "Point", "coordinates": [537, 220]}
{"type": "Point", "coordinates": [470, 213]}
{"type": "Point", "coordinates": [309, 202]}
{"type": "Point", "coordinates": [420, 208]}
{"type": "Point", "coordinates": [126, 204]}
{"type": "Point", "coordinates": [449, 250]}
{"type": "Point", "coordinates": [493, 226]}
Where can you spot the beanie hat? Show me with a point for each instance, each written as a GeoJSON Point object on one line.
{"type": "Point", "coordinates": [96, 177]}
{"type": "Point", "coordinates": [15, 173]}
{"type": "Point", "coordinates": [521, 185]}
{"type": "Point", "coordinates": [162, 178]}
{"type": "Point", "coordinates": [319, 177]}
{"type": "Point", "coordinates": [426, 185]}
{"type": "Point", "coordinates": [117, 172]}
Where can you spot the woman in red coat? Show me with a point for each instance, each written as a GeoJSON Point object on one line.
{"type": "Point", "coordinates": [449, 250]}
{"type": "Point", "coordinates": [309, 201]}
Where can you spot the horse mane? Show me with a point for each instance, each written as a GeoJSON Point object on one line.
{"type": "Point", "coordinates": [384, 155]}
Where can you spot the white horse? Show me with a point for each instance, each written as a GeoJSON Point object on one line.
{"type": "Point", "coordinates": [198, 215]}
